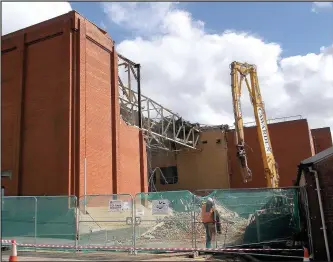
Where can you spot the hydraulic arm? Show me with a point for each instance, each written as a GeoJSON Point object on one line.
{"type": "Point", "coordinates": [239, 73]}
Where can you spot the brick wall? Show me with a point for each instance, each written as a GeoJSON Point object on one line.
{"type": "Point", "coordinates": [290, 143]}
{"type": "Point", "coordinates": [60, 110]}
{"type": "Point", "coordinates": [35, 110]}
{"type": "Point", "coordinates": [325, 170]}
{"type": "Point", "coordinates": [322, 138]}
{"type": "Point", "coordinates": [10, 112]}
{"type": "Point", "coordinates": [128, 180]}
{"type": "Point", "coordinates": [325, 175]}
{"type": "Point", "coordinates": [96, 125]}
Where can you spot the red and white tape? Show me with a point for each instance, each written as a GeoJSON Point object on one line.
{"type": "Point", "coordinates": [70, 246]}
{"type": "Point", "coordinates": [216, 249]}
{"type": "Point", "coordinates": [37, 245]}
{"type": "Point", "coordinates": [148, 248]}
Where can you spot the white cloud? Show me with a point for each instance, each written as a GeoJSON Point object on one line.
{"type": "Point", "coordinates": [187, 69]}
{"type": "Point", "coordinates": [18, 15]}
{"type": "Point", "coordinates": [138, 16]}
{"type": "Point", "coordinates": [317, 6]}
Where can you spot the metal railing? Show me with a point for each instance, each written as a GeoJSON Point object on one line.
{"type": "Point", "coordinates": [272, 121]}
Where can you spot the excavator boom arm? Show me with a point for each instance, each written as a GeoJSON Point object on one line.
{"type": "Point", "coordinates": [236, 79]}
{"type": "Point", "coordinates": [239, 72]}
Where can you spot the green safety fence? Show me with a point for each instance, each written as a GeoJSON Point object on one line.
{"type": "Point", "coordinates": [39, 219]}
{"type": "Point", "coordinates": [248, 216]}
{"type": "Point", "coordinates": [164, 219]}
{"type": "Point", "coordinates": [270, 214]}
{"type": "Point", "coordinates": [105, 220]}
{"type": "Point", "coordinates": [179, 201]}
{"type": "Point", "coordinates": [18, 218]}
{"type": "Point", "coordinates": [56, 217]}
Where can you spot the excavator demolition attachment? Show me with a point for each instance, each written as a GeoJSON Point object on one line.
{"type": "Point", "coordinates": [239, 73]}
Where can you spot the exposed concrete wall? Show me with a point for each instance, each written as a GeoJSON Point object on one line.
{"type": "Point", "coordinates": [204, 168]}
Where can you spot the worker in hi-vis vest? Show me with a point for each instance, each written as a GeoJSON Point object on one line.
{"type": "Point", "coordinates": [211, 220]}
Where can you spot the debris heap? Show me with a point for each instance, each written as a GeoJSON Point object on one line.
{"type": "Point", "coordinates": [180, 225]}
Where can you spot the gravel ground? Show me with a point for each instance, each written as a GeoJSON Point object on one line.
{"type": "Point", "coordinates": [119, 256]}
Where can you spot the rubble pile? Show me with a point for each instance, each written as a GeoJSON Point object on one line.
{"type": "Point", "coordinates": [179, 226]}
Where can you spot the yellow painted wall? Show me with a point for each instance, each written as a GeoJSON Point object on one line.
{"type": "Point", "coordinates": [204, 168]}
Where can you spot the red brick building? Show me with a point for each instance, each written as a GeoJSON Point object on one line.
{"type": "Point", "coordinates": [316, 175]}
{"type": "Point", "coordinates": [322, 139]}
{"type": "Point", "coordinates": [60, 113]}
{"type": "Point", "coordinates": [291, 141]}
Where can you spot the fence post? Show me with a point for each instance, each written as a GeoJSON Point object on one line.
{"type": "Point", "coordinates": [257, 225]}
{"type": "Point", "coordinates": [194, 221]}
{"type": "Point", "coordinates": [215, 226]}
{"type": "Point", "coordinates": [76, 221]}
{"type": "Point", "coordinates": [133, 223]}
{"type": "Point", "coordinates": [36, 212]}
{"type": "Point", "coordinates": [85, 184]}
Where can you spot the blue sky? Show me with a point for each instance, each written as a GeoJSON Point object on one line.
{"type": "Point", "coordinates": [186, 67]}
{"type": "Point", "coordinates": [292, 25]}
{"type": "Point", "coordinates": [178, 57]}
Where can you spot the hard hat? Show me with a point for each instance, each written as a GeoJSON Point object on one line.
{"type": "Point", "coordinates": [210, 200]}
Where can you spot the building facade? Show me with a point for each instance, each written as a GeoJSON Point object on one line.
{"type": "Point", "coordinates": [61, 128]}
{"type": "Point", "coordinates": [322, 139]}
{"type": "Point", "coordinates": [216, 165]}
{"type": "Point", "coordinates": [315, 175]}
{"type": "Point", "coordinates": [291, 142]}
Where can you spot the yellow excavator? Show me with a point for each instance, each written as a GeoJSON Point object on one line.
{"type": "Point", "coordinates": [239, 73]}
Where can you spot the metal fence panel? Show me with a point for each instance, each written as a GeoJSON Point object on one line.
{"type": "Point", "coordinates": [164, 219]}
{"type": "Point", "coordinates": [168, 219]}
{"type": "Point", "coordinates": [106, 220]}
{"type": "Point", "coordinates": [249, 216]}
{"type": "Point", "coordinates": [56, 220]}
{"type": "Point", "coordinates": [19, 219]}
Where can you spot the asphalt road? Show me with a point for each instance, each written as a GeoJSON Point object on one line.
{"type": "Point", "coordinates": [117, 256]}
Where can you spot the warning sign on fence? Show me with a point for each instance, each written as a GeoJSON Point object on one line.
{"type": "Point", "coordinates": [127, 205]}
{"type": "Point", "coordinates": [139, 212]}
{"type": "Point", "coordinates": [115, 205]}
{"type": "Point", "coordinates": [160, 206]}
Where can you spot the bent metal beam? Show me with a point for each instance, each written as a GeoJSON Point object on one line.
{"type": "Point", "coordinates": [158, 123]}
